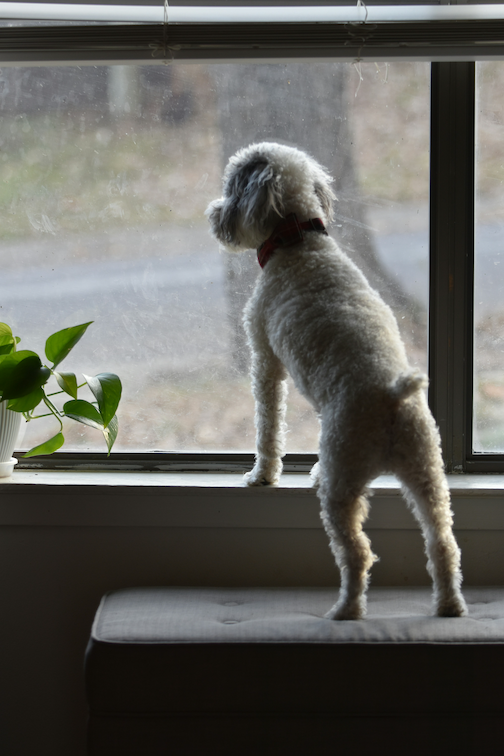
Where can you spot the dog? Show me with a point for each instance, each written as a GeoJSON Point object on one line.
{"type": "Point", "coordinates": [314, 315]}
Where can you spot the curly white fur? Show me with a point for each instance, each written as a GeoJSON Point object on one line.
{"type": "Point", "coordinates": [313, 314]}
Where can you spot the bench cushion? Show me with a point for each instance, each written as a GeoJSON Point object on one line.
{"type": "Point", "coordinates": [290, 615]}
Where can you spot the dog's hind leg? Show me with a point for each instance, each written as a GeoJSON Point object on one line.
{"type": "Point", "coordinates": [269, 387]}
{"type": "Point", "coordinates": [425, 488]}
{"type": "Point", "coordinates": [343, 515]}
{"type": "Point", "coordinates": [344, 509]}
{"type": "Point", "coordinates": [429, 499]}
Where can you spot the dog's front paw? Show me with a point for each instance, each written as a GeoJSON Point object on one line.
{"type": "Point", "coordinates": [315, 475]}
{"type": "Point", "coordinates": [254, 478]}
{"type": "Point", "coordinates": [266, 472]}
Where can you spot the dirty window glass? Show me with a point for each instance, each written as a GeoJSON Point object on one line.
{"type": "Point", "coordinates": [488, 426]}
{"type": "Point", "coordinates": [105, 173]}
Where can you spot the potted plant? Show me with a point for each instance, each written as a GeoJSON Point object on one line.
{"type": "Point", "coordinates": [23, 382]}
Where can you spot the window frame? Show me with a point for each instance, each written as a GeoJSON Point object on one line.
{"type": "Point", "coordinates": [452, 259]}
{"type": "Point", "coordinates": [452, 236]}
{"type": "Point", "coordinates": [452, 198]}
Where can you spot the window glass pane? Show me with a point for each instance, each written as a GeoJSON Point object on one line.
{"type": "Point", "coordinates": [105, 173]}
{"type": "Point", "coordinates": [488, 426]}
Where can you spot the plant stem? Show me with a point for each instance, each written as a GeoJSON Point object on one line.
{"type": "Point", "coordinates": [53, 410]}
{"type": "Point", "coordinates": [54, 393]}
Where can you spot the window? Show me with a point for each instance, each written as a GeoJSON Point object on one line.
{"type": "Point", "coordinates": [106, 171]}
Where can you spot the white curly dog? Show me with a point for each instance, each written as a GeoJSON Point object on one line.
{"type": "Point", "coordinates": [313, 314]}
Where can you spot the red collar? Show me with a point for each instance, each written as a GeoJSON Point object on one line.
{"type": "Point", "coordinates": [289, 231]}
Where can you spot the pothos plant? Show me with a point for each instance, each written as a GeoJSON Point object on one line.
{"type": "Point", "coordinates": [23, 384]}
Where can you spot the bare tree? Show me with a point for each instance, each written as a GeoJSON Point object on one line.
{"type": "Point", "coordinates": [304, 105]}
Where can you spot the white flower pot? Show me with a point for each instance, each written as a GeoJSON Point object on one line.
{"type": "Point", "coordinates": [10, 427]}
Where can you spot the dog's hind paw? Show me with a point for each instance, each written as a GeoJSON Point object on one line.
{"type": "Point", "coordinates": [455, 606]}
{"type": "Point", "coordinates": [354, 610]}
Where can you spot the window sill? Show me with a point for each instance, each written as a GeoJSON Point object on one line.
{"type": "Point", "coordinates": [218, 500]}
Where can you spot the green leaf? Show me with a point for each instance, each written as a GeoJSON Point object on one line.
{"type": "Point", "coordinates": [21, 373]}
{"type": "Point", "coordinates": [84, 412]}
{"type": "Point", "coordinates": [67, 382]}
{"type": "Point", "coordinates": [62, 342]}
{"type": "Point", "coordinates": [54, 443]}
{"type": "Point", "coordinates": [28, 402]}
{"type": "Point", "coordinates": [110, 433]}
{"type": "Point", "coordinates": [107, 390]}
{"type": "Point", "coordinates": [6, 335]}
{"type": "Point", "coordinates": [7, 340]}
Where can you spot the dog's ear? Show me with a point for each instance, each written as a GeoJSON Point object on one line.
{"type": "Point", "coordinates": [251, 196]}
{"type": "Point", "coordinates": [252, 200]}
{"type": "Point", "coordinates": [325, 195]}
{"type": "Point", "coordinates": [261, 195]}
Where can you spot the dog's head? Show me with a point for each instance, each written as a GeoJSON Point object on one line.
{"type": "Point", "coordinates": [264, 183]}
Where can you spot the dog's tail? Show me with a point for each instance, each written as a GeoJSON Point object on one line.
{"type": "Point", "coordinates": [407, 384]}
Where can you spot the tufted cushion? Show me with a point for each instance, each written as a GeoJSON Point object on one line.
{"type": "Point", "coordinates": [289, 615]}
{"type": "Point", "coordinates": [181, 660]}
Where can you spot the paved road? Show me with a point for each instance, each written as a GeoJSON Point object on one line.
{"type": "Point", "coordinates": [143, 309]}
{"type": "Point", "coordinates": [406, 256]}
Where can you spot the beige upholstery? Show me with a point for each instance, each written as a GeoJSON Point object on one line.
{"type": "Point", "coordinates": [259, 671]}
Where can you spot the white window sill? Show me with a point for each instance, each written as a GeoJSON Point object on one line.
{"type": "Point", "coordinates": [218, 500]}
{"type": "Point", "coordinates": [459, 484]}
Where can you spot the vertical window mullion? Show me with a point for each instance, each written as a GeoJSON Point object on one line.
{"type": "Point", "coordinates": [452, 257]}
